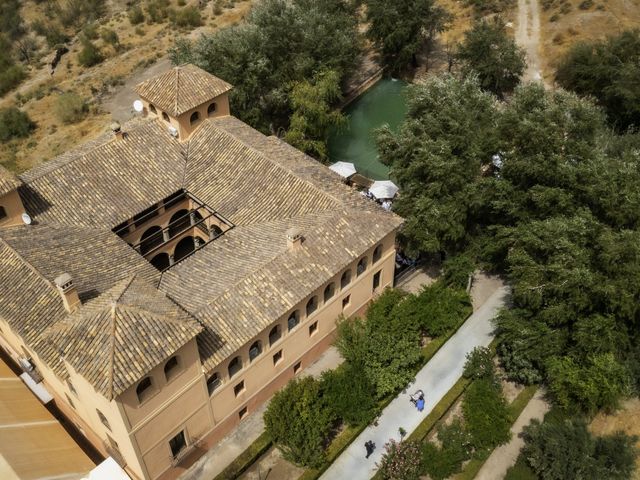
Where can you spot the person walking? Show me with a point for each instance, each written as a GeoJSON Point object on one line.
{"type": "Point", "coordinates": [369, 447]}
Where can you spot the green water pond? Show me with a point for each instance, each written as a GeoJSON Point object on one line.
{"type": "Point", "coordinates": [383, 103]}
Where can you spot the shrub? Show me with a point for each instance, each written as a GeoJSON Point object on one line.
{"type": "Point", "coordinates": [135, 15]}
{"type": "Point", "coordinates": [70, 108]}
{"type": "Point", "coordinates": [14, 124]}
{"type": "Point", "coordinates": [10, 77]}
{"type": "Point", "coordinates": [188, 17]}
{"type": "Point", "coordinates": [157, 11]}
{"type": "Point", "coordinates": [400, 461]}
{"type": "Point", "coordinates": [299, 421]}
{"type": "Point", "coordinates": [479, 364]}
{"type": "Point", "coordinates": [89, 55]}
{"type": "Point", "coordinates": [348, 391]}
{"type": "Point", "coordinates": [90, 31]}
{"type": "Point", "coordinates": [110, 36]}
{"type": "Point", "coordinates": [486, 415]}
{"type": "Point", "coordinates": [441, 463]}
{"type": "Point", "coordinates": [217, 7]}
{"type": "Point", "coordinates": [456, 271]}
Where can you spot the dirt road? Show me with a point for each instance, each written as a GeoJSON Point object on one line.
{"type": "Point", "coordinates": [528, 37]}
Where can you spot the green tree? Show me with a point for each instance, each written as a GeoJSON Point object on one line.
{"type": "Point", "coordinates": [11, 74]}
{"type": "Point", "coordinates": [280, 44]}
{"type": "Point", "coordinates": [349, 392]}
{"type": "Point", "coordinates": [607, 70]}
{"type": "Point", "coordinates": [400, 461]}
{"type": "Point", "coordinates": [490, 53]}
{"type": "Point", "coordinates": [486, 415]}
{"type": "Point", "coordinates": [299, 421]}
{"type": "Point", "coordinates": [399, 30]}
{"type": "Point", "coordinates": [313, 116]}
{"type": "Point", "coordinates": [11, 23]}
{"type": "Point", "coordinates": [441, 463]}
{"type": "Point", "coordinates": [14, 124]}
{"type": "Point", "coordinates": [479, 364]}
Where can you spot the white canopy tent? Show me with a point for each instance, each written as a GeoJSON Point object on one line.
{"type": "Point", "coordinates": [344, 169]}
{"type": "Point", "coordinates": [383, 189]}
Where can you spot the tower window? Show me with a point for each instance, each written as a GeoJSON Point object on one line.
{"type": "Point", "coordinates": [235, 366]}
{"type": "Point", "coordinates": [213, 382]}
{"type": "Point", "coordinates": [165, 117]}
{"type": "Point", "coordinates": [178, 443]}
{"type": "Point", "coordinates": [143, 390]}
{"type": "Point", "coordinates": [152, 108]}
{"type": "Point", "coordinates": [171, 368]}
{"type": "Point", "coordinates": [103, 419]}
{"type": "Point", "coordinates": [3, 213]}
{"type": "Point", "coordinates": [211, 109]}
{"type": "Point", "coordinates": [195, 116]}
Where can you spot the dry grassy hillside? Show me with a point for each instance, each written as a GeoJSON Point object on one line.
{"type": "Point", "coordinates": [565, 22]}
{"type": "Point", "coordinates": [139, 46]}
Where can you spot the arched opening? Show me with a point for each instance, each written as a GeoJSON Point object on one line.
{"type": "Point", "coordinates": [171, 368]}
{"type": "Point", "coordinates": [255, 350]}
{"type": "Point", "coordinates": [215, 231]}
{"type": "Point", "coordinates": [183, 248]}
{"type": "Point", "coordinates": [345, 279]}
{"type": "Point", "coordinates": [195, 116]}
{"type": "Point", "coordinates": [165, 117]}
{"type": "Point", "coordinates": [293, 320]}
{"type": "Point", "coordinates": [198, 241]}
{"type": "Point", "coordinates": [150, 239]}
{"type": "Point", "coordinates": [213, 382]}
{"type": "Point", "coordinates": [161, 261]}
{"type": "Point", "coordinates": [235, 366]}
{"type": "Point", "coordinates": [377, 253]}
{"type": "Point", "coordinates": [329, 291]}
{"type": "Point", "coordinates": [274, 335]}
{"type": "Point", "coordinates": [152, 108]}
{"type": "Point", "coordinates": [312, 305]}
{"type": "Point", "coordinates": [362, 266]}
{"type": "Point", "coordinates": [143, 390]}
{"type": "Point", "coordinates": [211, 109]}
{"type": "Point", "coordinates": [179, 222]}
{"type": "Point", "coordinates": [3, 213]}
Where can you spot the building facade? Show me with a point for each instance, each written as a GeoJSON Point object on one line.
{"type": "Point", "coordinates": [173, 274]}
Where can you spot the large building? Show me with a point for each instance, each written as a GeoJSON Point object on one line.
{"type": "Point", "coordinates": [165, 279]}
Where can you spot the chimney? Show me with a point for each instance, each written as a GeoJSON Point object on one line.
{"type": "Point", "coordinates": [117, 131]}
{"type": "Point", "coordinates": [68, 292]}
{"type": "Point", "coordinates": [294, 239]}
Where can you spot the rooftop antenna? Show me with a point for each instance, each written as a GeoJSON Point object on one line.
{"type": "Point", "coordinates": [138, 106]}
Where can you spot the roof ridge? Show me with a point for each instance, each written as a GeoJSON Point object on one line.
{"type": "Point", "coordinates": [112, 350]}
{"type": "Point", "coordinates": [26, 262]}
{"type": "Point", "coordinates": [130, 280]}
{"type": "Point", "coordinates": [175, 104]}
{"type": "Point", "coordinates": [273, 162]}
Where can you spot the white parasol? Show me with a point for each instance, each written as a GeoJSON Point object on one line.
{"type": "Point", "coordinates": [344, 169]}
{"type": "Point", "coordinates": [383, 189]}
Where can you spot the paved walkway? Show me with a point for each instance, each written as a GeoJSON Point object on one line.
{"type": "Point", "coordinates": [435, 379]}
{"type": "Point", "coordinates": [505, 456]}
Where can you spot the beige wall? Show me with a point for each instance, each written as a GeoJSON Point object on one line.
{"type": "Point", "coordinates": [13, 207]}
{"type": "Point", "coordinates": [183, 124]}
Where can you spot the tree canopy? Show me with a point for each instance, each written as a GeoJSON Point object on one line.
{"type": "Point", "coordinates": [537, 188]}
{"type": "Point", "coordinates": [399, 30]}
{"type": "Point", "coordinates": [607, 70]}
{"type": "Point", "coordinates": [281, 44]}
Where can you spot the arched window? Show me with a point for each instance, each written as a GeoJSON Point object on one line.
{"type": "Point", "coordinates": [195, 116]}
{"type": "Point", "coordinates": [214, 231]}
{"type": "Point", "coordinates": [179, 222]}
{"type": "Point", "coordinates": [213, 382]}
{"type": "Point", "coordinates": [103, 419]}
{"type": "Point", "coordinates": [3, 213]}
{"type": "Point", "coordinates": [312, 305]}
{"type": "Point", "coordinates": [235, 366]}
{"type": "Point", "coordinates": [143, 390]}
{"type": "Point", "coordinates": [294, 320]}
{"type": "Point", "coordinates": [254, 350]}
{"type": "Point", "coordinates": [161, 261]}
{"type": "Point", "coordinates": [274, 335]}
{"type": "Point", "coordinates": [329, 291]}
{"type": "Point", "coordinates": [151, 238]}
{"type": "Point", "coordinates": [377, 253]}
{"type": "Point", "coordinates": [211, 109]}
{"type": "Point", "coordinates": [362, 266]}
{"type": "Point", "coordinates": [184, 247]}
{"type": "Point", "coordinates": [345, 279]}
{"type": "Point", "coordinates": [171, 368]}
{"type": "Point", "coordinates": [152, 108]}
{"type": "Point", "coordinates": [165, 117]}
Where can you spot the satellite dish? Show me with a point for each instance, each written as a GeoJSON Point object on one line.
{"type": "Point", "coordinates": [26, 219]}
{"type": "Point", "coordinates": [138, 106]}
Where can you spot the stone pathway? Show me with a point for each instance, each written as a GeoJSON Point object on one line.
{"type": "Point", "coordinates": [505, 456]}
{"type": "Point", "coordinates": [528, 37]}
{"type": "Point", "coordinates": [435, 379]}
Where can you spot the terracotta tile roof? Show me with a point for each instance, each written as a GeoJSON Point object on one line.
{"type": "Point", "coordinates": [234, 287]}
{"type": "Point", "coordinates": [8, 181]}
{"type": "Point", "coordinates": [181, 89]}
{"type": "Point", "coordinates": [115, 340]}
